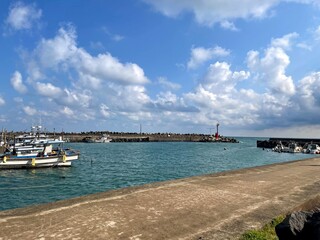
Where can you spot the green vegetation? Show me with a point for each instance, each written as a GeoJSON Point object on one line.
{"type": "Point", "coordinates": [267, 232]}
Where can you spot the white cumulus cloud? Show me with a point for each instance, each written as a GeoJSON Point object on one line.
{"type": "Point", "coordinates": [219, 77]}
{"type": "Point", "coordinates": [2, 101]}
{"type": "Point", "coordinates": [66, 111]}
{"type": "Point", "coordinates": [22, 16]}
{"type": "Point", "coordinates": [308, 92]}
{"type": "Point", "coordinates": [199, 55]}
{"type": "Point", "coordinates": [87, 85]}
{"type": "Point", "coordinates": [228, 25]}
{"type": "Point", "coordinates": [17, 82]}
{"type": "Point", "coordinates": [48, 90]}
{"type": "Point", "coordinates": [271, 68]}
{"type": "Point", "coordinates": [105, 110]}
{"type": "Point", "coordinates": [218, 97]}
{"type": "Point", "coordinates": [61, 53]}
{"type": "Point", "coordinates": [30, 110]}
{"type": "Point", "coordinates": [284, 42]}
{"type": "Point", "coordinates": [105, 66]}
{"type": "Point", "coordinates": [210, 12]}
{"type": "Point", "coordinates": [59, 50]}
{"type": "Point", "coordinates": [76, 98]}
{"type": "Point", "coordinates": [167, 84]}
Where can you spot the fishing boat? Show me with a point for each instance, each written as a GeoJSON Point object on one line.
{"type": "Point", "coordinates": [312, 148]}
{"type": "Point", "coordinates": [102, 139]}
{"type": "Point", "coordinates": [46, 158]}
{"type": "Point", "coordinates": [36, 150]}
{"type": "Point", "coordinates": [293, 147]}
{"type": "Point", "coordinates": [35, 137]}
{"type": "Point", "coordinates": [52, 160]}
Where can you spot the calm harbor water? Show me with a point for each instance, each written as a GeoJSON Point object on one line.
{"type": "Point", "coordinates": [104, 167]}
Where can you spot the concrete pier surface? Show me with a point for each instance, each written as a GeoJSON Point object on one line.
{"type": "Point", "coordinates": [217, 206]}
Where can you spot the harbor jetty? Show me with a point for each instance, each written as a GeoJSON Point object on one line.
{"type": "Point", "coordinates": [108, 136]}
{"type": "Point", "coordinates": [273, 142]}
{"type": "Point", "coordinates": [134, 137]}
{"type": "Point", "coordinates": [148, 137]}
{"type": "Point", "coordinates": [217, 206]}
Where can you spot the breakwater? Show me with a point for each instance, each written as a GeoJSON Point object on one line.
{"type": "Point", "coordinates": [151, 137]}
{"type": "Point", "coordinates": [132, 137]}
{"type": "Point", "coordinates": [272, 142]}
{"type": "Point", "coordinates": [135, 137]}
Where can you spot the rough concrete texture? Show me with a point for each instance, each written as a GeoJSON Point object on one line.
{"type": "Point", "coordinates": [217, 206]}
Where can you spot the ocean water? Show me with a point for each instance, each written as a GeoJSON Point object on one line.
{"type": "Point", "coordinates": [103, 167]}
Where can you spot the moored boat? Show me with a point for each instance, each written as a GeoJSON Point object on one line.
{"type": "Point", "coordinates": [102, 139]}
{"type": "Point", "coordinates": [312, 148]}
{"type": "Point", "coordinates": [293, 147]}
{"type": "Point", "coordinates": [36, 150]}
{"type": "Point", "coordinates": [52, 160]}
{"type": "Point", "coordinates": [46, 158]}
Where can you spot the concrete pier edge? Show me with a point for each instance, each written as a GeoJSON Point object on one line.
{"type": "Point", "coordinates": [213, 206]}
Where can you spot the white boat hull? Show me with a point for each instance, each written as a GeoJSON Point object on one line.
{"type": "Point", "coordinates": [37, 162]}
{"type": "Point", "coordinates": [35, 150]}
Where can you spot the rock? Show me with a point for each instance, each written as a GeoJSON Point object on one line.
{"type": "Point", "coordinates": [303, 225]}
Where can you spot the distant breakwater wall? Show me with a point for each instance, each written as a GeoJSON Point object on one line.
{"type": "Point", "coordinates": [155, 137]}
{"type": "Point", "coordinates": [145, 137]}
{"type": "Point", "coordinates": [130, 137]}
{"type": "Point", "coordinates": [272, 142]}
{"type": "Point", "coordinates": [135, 137]}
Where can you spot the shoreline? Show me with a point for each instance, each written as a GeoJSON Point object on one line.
{"type": "Point", "coordinates": [214, 206]}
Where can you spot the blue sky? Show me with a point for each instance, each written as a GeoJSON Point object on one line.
{"type": "Point", "coordinates": [172, 66]}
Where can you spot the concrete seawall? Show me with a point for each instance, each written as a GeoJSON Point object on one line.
{"type": "Point", "coordinates": [217, 206]}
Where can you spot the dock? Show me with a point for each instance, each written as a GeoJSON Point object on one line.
{"type": "Point", "coordinates": [216, 206]}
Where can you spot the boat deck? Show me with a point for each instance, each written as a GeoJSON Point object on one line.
{"type": "Point", "coordinates": [217, 206]}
